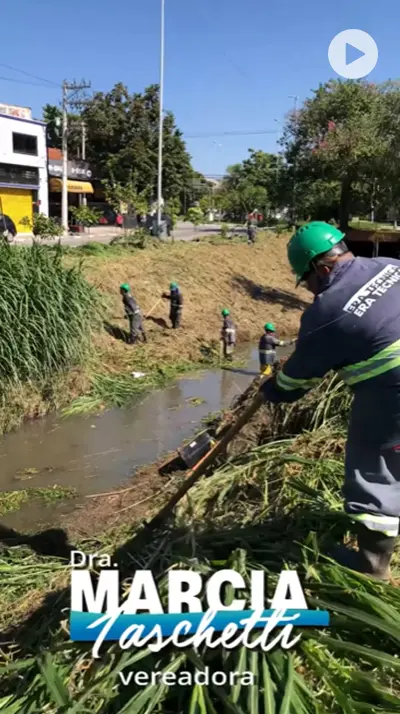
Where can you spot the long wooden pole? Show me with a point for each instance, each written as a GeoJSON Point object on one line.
{"type": "Point", "coordinates": [194, 474]}
{"type": "Point", "coordinates": [153, 308]}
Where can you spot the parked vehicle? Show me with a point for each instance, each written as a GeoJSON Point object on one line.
{"type": "Point", "coordinates": [108, 217]}
{"type": "Point", "coordinates": [8, 229]}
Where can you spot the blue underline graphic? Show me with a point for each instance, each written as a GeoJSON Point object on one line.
{"type": "Point", "coordinates": [80, 622]}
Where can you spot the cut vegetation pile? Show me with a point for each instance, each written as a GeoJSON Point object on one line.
{"type": "Point", "coordinates": [255, 283]}
{"type": "Point", "coordinates": [277, 504]}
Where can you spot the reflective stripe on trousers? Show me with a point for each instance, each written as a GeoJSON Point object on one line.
{"type": "Point", "coordinates": [266, 352]}
{"type": "Point", "coordinates": [383, 361]}
{"type": "Point", "coordinates": [371, 486]}
{"type": "Point", "coordinates": [388, 525]}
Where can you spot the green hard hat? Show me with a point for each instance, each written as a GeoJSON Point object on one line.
{"type": "Point", "coordinates": [308, 242]}
{"type": "Point", "coordinates": [270, 327]}
{"type": "Point", "coordinates": [124, 286]}
{"type": "Point", "coordinates": [225, 312]}
{"type": "Point", "coordinates": [173, 286]}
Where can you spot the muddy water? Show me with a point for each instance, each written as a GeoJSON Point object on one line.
{"type": "Point", "coordinates": [98, 453]}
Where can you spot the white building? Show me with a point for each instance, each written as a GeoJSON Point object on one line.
{"type": "Point", "coordinates": [23, 165]}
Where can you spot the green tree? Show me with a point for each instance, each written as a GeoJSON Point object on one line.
{"type": "Point", "coordinates": [252, 184]}
{"type": "Point", "coordinates": [120, 195]}
{"type": "Point", "coordinates": [335, 138]}
{"type": "Point", "coordinates": [122, 141]}
{"type": "Point", "coordinates": [42, 226]}
{"type": "Point", "coordinates": [196, 191]}
{"type": "Point", "coordinates": [385, 189]}
{"type": "Point", "coordinates": [85, 216]}
{"type": "Point", "coordinates": [52, 115]}
{"type": "Point", "coordinates": [195, 215]}
{"type": "Point", "coordinates": [173, 209]}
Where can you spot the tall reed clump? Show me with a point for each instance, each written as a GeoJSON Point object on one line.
{"type": "Point", "coordinates": [46, 314]}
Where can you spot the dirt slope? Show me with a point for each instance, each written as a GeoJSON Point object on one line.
{"type": "Point", "coordinates": [255, 283]}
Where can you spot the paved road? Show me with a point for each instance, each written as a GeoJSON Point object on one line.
{"type": "Point", "coordinates": [99, 234]}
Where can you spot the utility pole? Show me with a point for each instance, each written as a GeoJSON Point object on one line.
{"type": "Point", "coordinates": [64, 187]}
{"type": "Point", "coordinates": [161, 121]}
{"type": "Point", "coordinates": [295, 99]}
{"type": "Point", "coordinates": [66, 102]}
{"type": "Point", "coordinates": [84, 201]}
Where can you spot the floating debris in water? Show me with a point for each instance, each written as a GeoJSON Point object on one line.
{"type": "Point", "coordinates": [26, 474]}
{"type": "Point", "coordinates": [195, 401]}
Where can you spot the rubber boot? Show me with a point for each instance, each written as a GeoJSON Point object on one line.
{"type": "Point", "coordinates": [372, 557]}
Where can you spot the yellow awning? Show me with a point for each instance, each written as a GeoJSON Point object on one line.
{"type": "Point", "coordinates": [73, 186]}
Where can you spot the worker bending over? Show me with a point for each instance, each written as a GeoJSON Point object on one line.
{"type": "Point", "coordinates": [228, 334]}
{"type": "Point", "coordinates": [133, 314]}
{"type": "Point", "coordinates": [267, 348]}
{"type": "Point", "coordinates": [353, 327]}
{"type": "Point", "coordinates": [176, 298]}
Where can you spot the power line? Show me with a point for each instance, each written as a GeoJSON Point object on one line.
{"type": "Point", "coordinates": [246, 132]}
{"type": "Point", "coordinates": [31, 84]}
{"type": "Point", "coordinates": [196, 8]}
{"type": "Point", "coordinates": [29, 74]}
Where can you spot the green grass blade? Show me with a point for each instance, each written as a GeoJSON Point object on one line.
{"type": "Point", "coordinates": [241, 667]}
{"type": "Point", "coordinates": [269, 688]}
{"type": "Point", "coordinates": [54, 682]}
{"type": "Point", "coordinates": [287, 697]}
{"type": "Point", "coordinates": [253, 689]}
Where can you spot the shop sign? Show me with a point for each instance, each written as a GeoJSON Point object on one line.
{"type": "Point", "coordinates": [14, 111]}
{"type": "Point", "coordinates": [75, 169]}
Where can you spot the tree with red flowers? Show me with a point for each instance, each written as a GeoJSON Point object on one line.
{"type": "Point", "coordinates": [336, 140]}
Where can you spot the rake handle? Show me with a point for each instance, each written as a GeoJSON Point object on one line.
{"type": "Point", "coordinates": [153, 308]}
{"type": "Point", "coordinates": [194, 474]}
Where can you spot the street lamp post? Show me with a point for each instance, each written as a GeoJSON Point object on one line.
{"type": "Point", "coordinates": [277, 177]}
{"type": "Point", "coordinates": [295, 100]}
{"type": "Point", "coordinates": [161, 121]}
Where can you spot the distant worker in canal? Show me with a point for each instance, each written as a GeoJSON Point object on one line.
{"type": "Point", "coordinates": [133, 314]}
{"type": "Point", "coordinates": [251, 230]}
{"type": "Point", "coordinates": [228, 335]}
{"type": "Point", "coordinates": [176, 299]}
{"type": "Point", "coordinates": [267, 348]}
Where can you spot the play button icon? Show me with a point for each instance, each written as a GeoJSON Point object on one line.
{"type": "Point", "coordinates": [353, 54]}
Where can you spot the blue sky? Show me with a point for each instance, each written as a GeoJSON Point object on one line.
{"type": "Point", "coordinates": [230, 64]}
